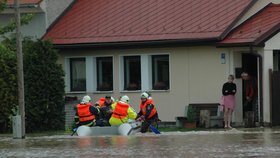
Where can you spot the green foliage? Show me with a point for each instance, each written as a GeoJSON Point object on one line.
{"type": "Point", "coordinates": [2, 4]}
{"type": "Point", "coordinates": [191, 114]}
{"type": "Point", "coordinates": [44, 87]}
{"type": "Point", "coordinates": [44, 84]}
{"type": "Point", "coordinates": [11, 26]}
{"type": "Point", "coordinates": [8, 87]}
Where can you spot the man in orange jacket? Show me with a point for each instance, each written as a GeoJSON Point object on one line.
{"type": "Point", "coordinates": [86, 113]}
{"type": "Point", "coordinates": [148, 111]}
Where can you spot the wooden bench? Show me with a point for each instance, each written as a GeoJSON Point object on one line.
{"type": "Point", "coordinates": [212, 107]}
{"type": "Point", "coordinates": [216, 116]}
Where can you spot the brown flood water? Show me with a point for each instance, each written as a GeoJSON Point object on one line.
{"type": "Point", "coordinates": [263, 142]}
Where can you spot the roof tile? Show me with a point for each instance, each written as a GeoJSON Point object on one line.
{"type": "Point", "coordinates": [99, 21]}
{"type": "Point", "coordinates": [257, 28]}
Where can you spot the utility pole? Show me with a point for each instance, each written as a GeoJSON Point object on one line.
{"type": "Point", "coordinates": [21, 124]}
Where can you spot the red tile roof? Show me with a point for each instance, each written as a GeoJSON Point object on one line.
{"type": "Point", "coordinates": [102, 21]}
{"type": "Point", "coordinates": [11, 2]}
{"type": "Point", "coordinates": [256, 29]}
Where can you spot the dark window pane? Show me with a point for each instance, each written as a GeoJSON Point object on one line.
{"type": "Point", "coordinates": [104, 73]}
{"type": "Point", "coordinates": [160, 71]}
{"type": "Point", "coordinates": [132, 73]}
{"type": "Point", "coordinates": [78, 74]}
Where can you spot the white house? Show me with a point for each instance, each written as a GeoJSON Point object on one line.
{"type": "Point", "coordinates": [180, 51]}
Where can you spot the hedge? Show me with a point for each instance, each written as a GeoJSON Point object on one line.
{"type": "Point", "coordinates": [44, 87]}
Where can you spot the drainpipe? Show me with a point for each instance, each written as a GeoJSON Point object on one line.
{"type": "Point", "coordinates": [260, 79]}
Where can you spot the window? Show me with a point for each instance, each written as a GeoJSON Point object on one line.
{"type": "Point", "coordinates": [132, 73]}
{"type": "Point", "coordinates": [160, 72]}
{"type": "Point", "coordinates": [77, 74]}
{"type": "Point", "coordinates": [104, 73]}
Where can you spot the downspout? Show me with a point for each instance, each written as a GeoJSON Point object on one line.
{"type": "Point", "coordinates": [260, 79]}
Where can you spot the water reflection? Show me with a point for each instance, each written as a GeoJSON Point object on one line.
{"type": "Point", "coordinates": [239, 143]}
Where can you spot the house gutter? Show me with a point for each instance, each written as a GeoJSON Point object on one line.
{"type": "Point", "coordinates": [24, 6]}
{"type": "Point", "coordinates": [260, 79]}
{"type": "Point", "coordinates": [140, 44]}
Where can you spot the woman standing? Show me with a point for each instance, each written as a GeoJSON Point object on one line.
{"type": "Point", "coordinates": [229, 90]}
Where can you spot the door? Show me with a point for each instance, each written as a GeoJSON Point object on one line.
{"type": "Point", "coordinates": [250, 65]}
{"type": "Point", "coordinates": [276, 98]}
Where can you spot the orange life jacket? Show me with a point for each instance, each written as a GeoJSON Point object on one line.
{"type": "Point", "coordinates": [120, 111]}
{"type": "Point", "coordinates": [144, 106]}
{"type": "Point", "coordinates": [84, 112]}
{"type": "Point", "coordinates": [101, 101]}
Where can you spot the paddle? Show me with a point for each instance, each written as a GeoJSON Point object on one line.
{"type": "Point", "coordinates": [153, 129]}
{"type": "Point", "coordinates": [74, 131]}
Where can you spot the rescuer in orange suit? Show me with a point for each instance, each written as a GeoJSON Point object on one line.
{"type": "Point", "coordinates": [148, 111]}
{"type": "Point", "coordinates": [86, 113]}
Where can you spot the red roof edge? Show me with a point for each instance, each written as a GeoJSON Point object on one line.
{"type": "Point", "coordinates": [228, 30]}
{"type": "Point", "coordinates": [270, 33]}
{"type": "Point", "coordinates": [59, 17]}
{"type": "Point", "coordinates": [233, 30]}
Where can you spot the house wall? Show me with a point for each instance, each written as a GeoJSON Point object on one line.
{"type": "Point", "coordinates": [255, 8]}
{"type": "Point", "coordinates": [43, 16]}
{"type": "Point", "coordinates": [237, 115]}
{"type": "Point", "coordinates": [270, 45]}
{"type": "Point", "coordinates": [196, 76]}
{"type": "Point", "coordinates": [37, 23]}
{"type": "Point", "coordinates": [53, 9]}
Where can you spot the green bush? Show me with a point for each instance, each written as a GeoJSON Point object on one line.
{"type": "Point", "coordinates": [8, 87]}
{"type": "Point", "coordinates": [191, 114]}
{"type": "Point", "coordinates": [44, 87]}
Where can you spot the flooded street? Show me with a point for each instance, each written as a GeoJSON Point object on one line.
{"type": "Point", "coordinates": [218, 143]}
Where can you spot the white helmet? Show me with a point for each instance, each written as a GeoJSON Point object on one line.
{"type": "Point", "coordinates": [125, 99]}
{"type": "Point", "coordinates": [113, 100]}
{"type": "Point", "coordinates": [145, 95]}
{"type": "Point", "coordinates": [86, 99]}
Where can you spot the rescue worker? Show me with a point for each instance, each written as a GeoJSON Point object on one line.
{"type": "Point", "coordinates": [148, 111]}
{"type": "Point", "coordinates": [122, 112]}
{"type": "Point", "coordinates": [105, 107]}
{"type": "Point", "coordinates": [100, 102]}
{"type": "Point", "coordinates": [86, 113]}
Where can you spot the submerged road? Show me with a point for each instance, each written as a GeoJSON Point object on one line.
{"type": "Point", "coordinates": [264, 142]}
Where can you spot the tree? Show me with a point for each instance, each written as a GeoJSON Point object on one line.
{"type": "Point", "coordinates": [44, 92]}
{"type": "Point", "coordinates": [44, 87]}
{"type": "Point", "coordinates": [8, 86]}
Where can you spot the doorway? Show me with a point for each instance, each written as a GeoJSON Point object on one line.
{"type": "Point", "coordinates": [250, 87]}
{"type": "Point", "coordinates": [275, 87]}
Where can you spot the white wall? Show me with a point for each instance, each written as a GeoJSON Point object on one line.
{"type": "Point", "coordinates": [35, 29]}
{"type": "Point", "coordinates": [196, 76]}
{"type": "Point", "coordinates": [207, 74]}
{"type": "Point", "coordinates": [270, 45]}
{"type": "Point", "coordinates": [238, 112]}
{"type": "Point", "coordinates": [54, 8]}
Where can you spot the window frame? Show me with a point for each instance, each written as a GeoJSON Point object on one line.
{"type": "Point", "coordinates": [146, 72]}
{"type": "Point", "coordinates": [96, 73]}
{"type": "Point", "coordinates": [71, 75]}
{"type": "Point", "coordinates": [153, 75]}
{"type": "Point", "coordinates": [123, 73]}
